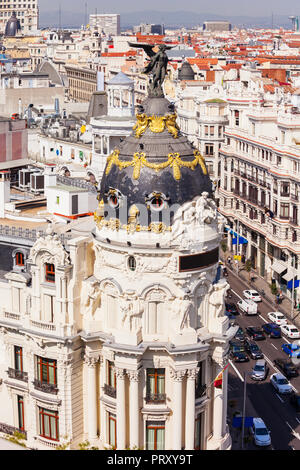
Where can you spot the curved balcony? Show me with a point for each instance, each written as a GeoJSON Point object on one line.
{"type": "Point", "coordinates": [155, 398]}
{"type": "Point", "coordinates": [17, 374]}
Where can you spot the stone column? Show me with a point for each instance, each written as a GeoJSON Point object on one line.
{"type": "Point", "coordinates": [177, 377]}
{"type": "Point", "coordinates": [225, 396]}
{"type": "Point", "coordinates": [218, 405]}
{"type": "Point", "coordinates": [121, 411]}
{"type": "Point", "coordinates": [190, 410]}
{"type": "Point", "coordinates": [134, 410]}
{"type": "Point", "coordinates": [92, 397]}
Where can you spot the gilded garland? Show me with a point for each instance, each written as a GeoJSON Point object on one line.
{"type": "Point", "coordinates": [156, 124]}
{"type": "Point", "coordinates": [140, 160]}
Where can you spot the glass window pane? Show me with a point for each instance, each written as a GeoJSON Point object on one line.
{"type": "Point", "coordinates": [112, 432]}
{"type": "Point", "coordinates": [53, 433]}
{"type": "Point", "coordinates": [160, 384]}
{"type": "Point", "coordinates": [160, 436]}
{"type": "Point", "coordinates": [46, 425]}
{"type": "Point", "coordinates": [44, 373]}
{"type": "Point", "coordinates": [150, 439]}
{"type": "Point", "coordinates": [51, 374]}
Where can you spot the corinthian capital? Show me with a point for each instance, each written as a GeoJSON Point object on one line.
{"type": "Point", "coordinates": [90, 361]}
{"type": "Point", "coordinates": [192, 374]}
{"type": "Point", "coordinates": [177, 375]}
{"type": "Point", "coordinates": [120, 373]}
{"type": "Point", "coordinates": [133, 375]}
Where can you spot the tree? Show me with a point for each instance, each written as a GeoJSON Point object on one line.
{"type": "Point", "coordinates": [224, 245]}
{"type": "Point", "coordinates": [248, 266]}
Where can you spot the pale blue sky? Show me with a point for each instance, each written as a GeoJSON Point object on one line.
{"type": "Point", "coordinates": [225, 7]}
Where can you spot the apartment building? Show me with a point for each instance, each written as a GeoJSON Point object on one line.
{"type": "Point", "coordinates": [27, 12]}
{"type": "Point", "coordinates": [260, 185]}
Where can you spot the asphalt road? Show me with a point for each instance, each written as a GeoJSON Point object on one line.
{"type": "Point", "coordinates": [262, 400]}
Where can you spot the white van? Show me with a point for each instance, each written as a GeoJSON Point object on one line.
{"type": "Point", "coordinates": [247, 306]}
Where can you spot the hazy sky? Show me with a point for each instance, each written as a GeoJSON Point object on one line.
{"type": "Point", "coordinates": [226, 7]}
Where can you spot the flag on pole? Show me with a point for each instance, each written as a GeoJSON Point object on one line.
{"type": "Point", "coordinates": [219, 379]}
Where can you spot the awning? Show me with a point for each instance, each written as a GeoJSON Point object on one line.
{"type": "Point", "coordinates": [278, 267]}
{"type": "Point", "coordinates": [291, 274]}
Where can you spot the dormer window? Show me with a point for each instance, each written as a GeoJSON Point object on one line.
{"type": "Point", "coordinates": [49, 272]}
{"type": "Point", "coordinates": [20, 259]}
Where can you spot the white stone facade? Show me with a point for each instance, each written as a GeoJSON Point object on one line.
{"type": "Point", "coordinates": [116, 318]}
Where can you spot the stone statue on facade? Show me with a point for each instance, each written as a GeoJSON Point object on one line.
{"type": "Point", "coordinates": [131, 311]}
{"type": "Point", "coordinates": [91, 298]}
{"type": "Point", "coordinates": [206, 209]}
{"type": "Point", "coordinates": [217, 299]}
{"type": "Point", "coordinates": [182, 310]}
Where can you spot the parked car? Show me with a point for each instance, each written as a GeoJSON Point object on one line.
{"type": "Point", "coordinates": [231, 308]}
{"type": "Point", "coordinates": [272, 330]}
{"type": "Point", "coordinates": [238, 352]}
{"type": "Point", "coordinates": [247, 306]}
{"type": "Point", "coordinates": [287, 367]}
{"type": "Point", "coordinates": [292, 350]}
{"type": "Point", "coordinates": [281, 383]}
{"type": "Point", "coordinates": [252, 295]}
{"type": "Point", "coordinates": [240, 335]}
{"type": "Point", "coordinates": [231, 317]}
{"type": "Point", "coordinates": [260, 432]}
{"type": "Point", "coordinates": [260, 370]}
{"type": "Point", "coordinates": [253, 350]}
{"type": "Point", "coordinates": [295, 401]}
{"type": "Point", "coordinates": [290, 331]}
{"type": "Point", "coordinates": [255, 333]}
{"type": "Point", "coordinates": [277, 317]}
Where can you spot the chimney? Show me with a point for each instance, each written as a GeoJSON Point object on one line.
{"type": "Point", "coordinates": [4, 191]}
{"type": "Point", "coordinates": [50, 176]}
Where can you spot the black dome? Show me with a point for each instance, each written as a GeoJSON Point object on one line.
{"type": "Point", "coordinates": [186, 72]}
{"type": "Point", "coordinates": [156, 162]}
{"type": "Point", "coordinates": [13, 25]}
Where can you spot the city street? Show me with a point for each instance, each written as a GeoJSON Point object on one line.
{"type": "Point", "coordinates": [262, 399]}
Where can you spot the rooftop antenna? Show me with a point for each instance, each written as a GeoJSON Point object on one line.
{"type": "Point", "coordinates": [85, 14]}
{"type": "Point", "coordinates": [59, 16]}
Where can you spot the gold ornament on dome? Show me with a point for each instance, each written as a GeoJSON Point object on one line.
{"type": "Point", "coordinates": [139, 160]}
{"type": "Point", "coordinates": [156, 124]}
{"type": "Point", "coordinates": [141, 124]}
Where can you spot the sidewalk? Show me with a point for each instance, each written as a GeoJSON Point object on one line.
{"type": "Point", "coordinates": [260, 284]}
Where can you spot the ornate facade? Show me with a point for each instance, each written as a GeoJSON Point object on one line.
{"type": "Point", "coordinates": [120, 333]}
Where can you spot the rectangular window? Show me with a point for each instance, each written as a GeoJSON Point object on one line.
{"type": "Point", "coordinates": [237, 117]}
{"type": "Point", "coordinates": [18, 358]}
{"type": "Point", "coordinates": [155, 435]}
{"type": "Point", "coordinates": [49, 424]}
{"type": "Point", "coordinates": [111, 375]}
{"type": "Point", "coordinates": [198, 423]}
{"type": "Point", "coordinates": [284, 211]}
{"type": "Point", "coordinates": [49, 272]}
{"type": "Point", "coordinates": [155, 384]}
{"type": "Point", "coordinates": [21, 421]}
{"type": "Point", "coordinates": [46, 370]}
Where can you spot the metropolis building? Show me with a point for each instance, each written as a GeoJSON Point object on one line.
{"type": "Point", "coordinates": [26, 11]}
{"type": "Point", "coordinates": [116, 336]}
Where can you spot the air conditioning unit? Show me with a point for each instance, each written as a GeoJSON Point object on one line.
{"type": "Point", "coordinates": [37, 183]}
{"type": "Point", "coordinates": [24, 178]}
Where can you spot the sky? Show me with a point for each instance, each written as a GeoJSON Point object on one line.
{"type": "Point", "coordinates": [226, 7]}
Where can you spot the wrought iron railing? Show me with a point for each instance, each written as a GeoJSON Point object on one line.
{"type": "Point", "coordinates": [110, 391]}
{"type": "Point", "coordinates": [45, 387]}
{"type": "Point", "coordinates": [17, 374]}
{"type": "Point", "coordinates": [155, 397]}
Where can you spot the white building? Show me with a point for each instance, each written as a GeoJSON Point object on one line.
{"type": "Point", "coordinates": [117, 333]}
{"type": "Point", "coordinates": [108, 24]}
